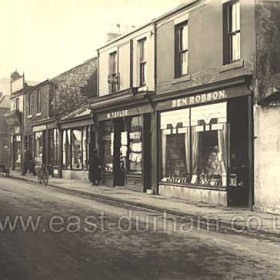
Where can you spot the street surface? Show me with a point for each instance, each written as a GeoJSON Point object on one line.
{"type": "Point", "coordinates": [77, 237]}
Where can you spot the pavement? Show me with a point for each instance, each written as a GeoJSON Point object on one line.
{"type": "Point", "coordinates": [221, 219]}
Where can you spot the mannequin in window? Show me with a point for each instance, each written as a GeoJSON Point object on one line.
{"type": "Point", "coordinates": [214, 162]}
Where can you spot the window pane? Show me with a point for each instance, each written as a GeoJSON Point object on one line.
{"type": "Point", "coordinates": [108, 141]}
{"type": "Point", "coordinates": [135, 145]}
{"type": "Point", "coordinates": [235, 17]}
{"type": "Point", "coordinates": [77, 149]}
{"type": "Point", "coordinates": [209, 145]}
{"type": "Point", "coordinates": [85, 148]}
{"type": "Point", "coordinates": [55, 147]}
{"type": "Point", "coordinates": [39, 148]}
{"type": "Point", "coordinates": [66, 148]}
{"type": "Point", "coordinates": [236, 46]}
{"type": "Point", "coordinates": [175, 146]}
{"type": "Point", "coordinates": [184, 63]}
{"type": "Point", "coordinates": [184, 38]}
{"type": "Point", "coordinates": [142, 74]}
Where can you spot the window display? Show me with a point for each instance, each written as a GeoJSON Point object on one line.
{"type": "Point", "coordinates": [86, 135]}
{"type": "Point", "coordinates": [194, 145]}
{"type": "Point", "coordinates": [175, 146]}
{"type": "Point", "coordinates": [135, 145]}
{"type": "Point", "coordinates": [209, 148]}
{"type": "Point", "coordinates": [66, 149]}
{"type": "Point", "coordinates": [56, 144]}
{"type": "Point", "coordinates": [77, 149]}
{"type": "Point", "coordinates": [38, 148]}
{"type": "Point", "coordinates": [108, 141]}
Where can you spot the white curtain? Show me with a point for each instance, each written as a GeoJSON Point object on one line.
{"type": "Point", "coordinates": [187, 152]}
{"type": "Point", "coordinates": [222, 143]}
{"type": "Point", "coordinates": [194, 150]}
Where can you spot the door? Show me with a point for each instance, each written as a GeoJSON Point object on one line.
{"type": "Point", "coordinates": [119, 164]}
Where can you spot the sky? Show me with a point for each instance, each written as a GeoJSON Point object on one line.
{"type": "Point", "coordinates": [44, 38]}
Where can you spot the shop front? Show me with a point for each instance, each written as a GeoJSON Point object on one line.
{"type": "Point", "coordinates": [14, 122]}
{"type": "Point", "coordinates": [77, 137]}
{"type": "Point", "coordinates": [204, 147]}
{"type": "Point", "coordinates": [125, 147]}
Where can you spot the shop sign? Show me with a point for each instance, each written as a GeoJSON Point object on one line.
{"type": "Point", "coordinates": [118, 114]}
{"type": "Point", "coordinates": [200, 98]}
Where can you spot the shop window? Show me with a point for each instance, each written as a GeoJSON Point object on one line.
{"type": "Point", "coordinates": [85, 147]}
{"type": "Point", "coordinates": [56, 139]}
{"type": "Point", "coordinates": [209, 145]}
{"type": "Point", "coordinates": [108, 149]}
{"type": "Point", "coordinates": [181, 49]}
{"type": "Point", "coordinates": [232, 31]}
{"type": "Point", "coordinates": [38, 152]}
{"type": "Point", "coordinates": [142, 61]}
{"type": "Point", "coordinates": [77, 149]}
{"type": "Point", "coordinates": [17, 150]}
{"type": "Point", "coordinates": [135, 145]}
{"type": "Point", "coordinates": [66, 149]}
{"type": "Point", "coordinates": [175, 146]}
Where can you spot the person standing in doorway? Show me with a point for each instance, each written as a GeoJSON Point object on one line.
{"type": "Point", "coordinates": [94, 168]}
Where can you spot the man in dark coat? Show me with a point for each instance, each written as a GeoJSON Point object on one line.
{"type": "Point", "coordinates": [94, 168]}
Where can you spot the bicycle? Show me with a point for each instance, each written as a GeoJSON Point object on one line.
{"type": "Point", "coordinates": [43, 175]}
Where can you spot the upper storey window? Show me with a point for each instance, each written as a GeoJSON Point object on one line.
{"type": "Point", "coordinates": [232, 36]}
{"type": "Point", "coordinates": [39, 101]}
{"type": "Point", "coordinates": [142, 61]}
{"type": "Point", "coordinates": [182, 49]}
{"type": "Point", "coordinates": [113, 75]}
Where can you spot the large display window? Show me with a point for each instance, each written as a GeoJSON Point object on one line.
{"type": "Point", "coordinates": [75, 148]}
{"type": "Point", "coordinates": [38, 153]}
{"type": "Point", "coordinates": [194, 145]}
{"type": "Point", "coordinates": [135, 145]}
{"type": "Point", "coordinates": [209, 145]}
{"type": "Point", "coordinates": [175, 146]}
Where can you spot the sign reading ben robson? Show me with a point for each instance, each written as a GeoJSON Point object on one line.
{"type": "Point", "coordinates": [200, 98]}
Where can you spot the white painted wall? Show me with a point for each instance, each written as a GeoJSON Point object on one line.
{"type": "Point", "coordinates": [124, 56]}
{"type": "Point", "coordinates": [267, 158]}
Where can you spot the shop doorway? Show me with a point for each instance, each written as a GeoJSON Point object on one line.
{"type": "Point", "coordinates": [120, 153]}
{"type": "Point", "coordinates": [238, 185]}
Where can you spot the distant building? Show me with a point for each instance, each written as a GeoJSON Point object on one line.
{"type": "Point", "coordinates": [4, 130]}
{"type": "Point", "coordinates": [48, 103]}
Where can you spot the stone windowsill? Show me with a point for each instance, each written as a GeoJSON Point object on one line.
{"type": "Point", "coordinates": [233, 65]}
{"type": "Point", "coordinates": [182, 79]}
{"type": "Point", "coordinates": [29, 117]}
{"type": "Point", "coordinates": [38, 114]}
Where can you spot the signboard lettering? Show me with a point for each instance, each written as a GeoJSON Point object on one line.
{"type": "Point", "coordinates": [117, 114]}
{"type": "Point", "coordinates": [200, 98]}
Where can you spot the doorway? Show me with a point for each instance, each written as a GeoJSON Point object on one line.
{"type": "Point", "coordinates": [120, 152]}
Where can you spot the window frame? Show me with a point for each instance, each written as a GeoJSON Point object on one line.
{"type": "Point", "coordinates": [113, 71]}
{"type": "Point", "coordinates": [39, 99]}
{"type": "Point", "coordinates": [229, 33]}
{"type": "Point", "coordinates": [30, 105]}
{"type": "Point", "coordinates": [142, 43]}
{"type": "Point", "coordinates": [179, 50]}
